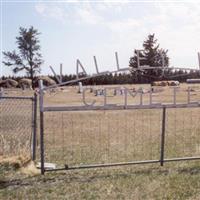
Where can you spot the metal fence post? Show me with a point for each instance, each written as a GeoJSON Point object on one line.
{"type": "Point", "coordinates": [162, 146]}
{"type": "Point", "coordinates": [34, 126]}
{"type": "Point", "coordinates": [41, 93]}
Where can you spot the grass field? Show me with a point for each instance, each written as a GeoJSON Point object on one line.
{"type": "Point", "coordinates": [173, 181]}
{"type": "Point", "coordinates": [78, 138]}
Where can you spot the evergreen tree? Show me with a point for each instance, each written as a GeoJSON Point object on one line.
{"type": "Point", "coordinates": [153, 56]}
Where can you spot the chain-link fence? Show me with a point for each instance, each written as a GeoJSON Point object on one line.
{"type": "Point", "coordinates": [17, 126]}
{"type": "Point", "coordinates": [106, 137]}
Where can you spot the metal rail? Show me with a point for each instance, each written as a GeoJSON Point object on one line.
{"type": "Point", "coordinates": [34, 127]}
{"type": "Point", "coordinates": [41, 127]}
{"type": "Point", "coordinates": [121, 164]}
{"type": "Point", "coordinates": [116, 71]}
{"type": "Point", "coordinates": [12, 97]}
{"type": "Point", "coordinates": [85, 78]}
{"type": "Point", "coordinates": [162, 142]}
{"type": "Point", "coordinates": [118, 107]}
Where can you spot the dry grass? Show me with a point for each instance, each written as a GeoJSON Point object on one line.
{"type": "Point", "coordinates": [75, 138]}
{"type": "Point", "coordinates": [15, 162]}
{"type": "Point", "coordinates": [30, 169]}
{"type": "Point", "coordinates": [112, 136]}
{"type": "Point", "coordinates": [15, 127]}
{"type": "Point", "coordinates": [70, 96]}
{"type": "Point", "coordinates": [146, 182]}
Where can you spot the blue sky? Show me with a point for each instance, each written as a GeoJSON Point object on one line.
{"type": "Point", "coordinates": [71, 30]}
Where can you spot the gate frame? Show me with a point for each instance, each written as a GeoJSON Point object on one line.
{"type": "Point", "coordinates": [164, 107]}
{"type": "Point", "coordinates": [34, 126]}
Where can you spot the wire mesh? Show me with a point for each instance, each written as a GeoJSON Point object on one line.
{"type": "Point", "coordinates": [98, 137]}
{"type": "Point", "coordinates": [78, 138]}
{"type": "Point", "coordinates": [16, 122]}
{"type": "Point", "coordinates": [182, 133]}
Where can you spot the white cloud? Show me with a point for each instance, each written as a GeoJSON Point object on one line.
{"type": "Point", "coordinates": [178, 31]}
{"type": "Point", "coordinates": [40, 8]}
{"type": "Point", "coordinates": [176, 25]}
{"type": "Point", "coordinates": [81, 12]}
{"type": "Point", "coordinates": [52, 11]}
{"type": "Point", "coordinates": [107, 6]}
{"type": "Point", "coordinates": [88, 16]}
{"type": "Point", "coordinates": [123, 25]}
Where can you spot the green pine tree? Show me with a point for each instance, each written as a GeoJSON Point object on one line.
{"type": "Point", "coordinates": [151, 56]}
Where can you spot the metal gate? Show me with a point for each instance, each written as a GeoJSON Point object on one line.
{"type": "Point", "coordinates": [78, 137]}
